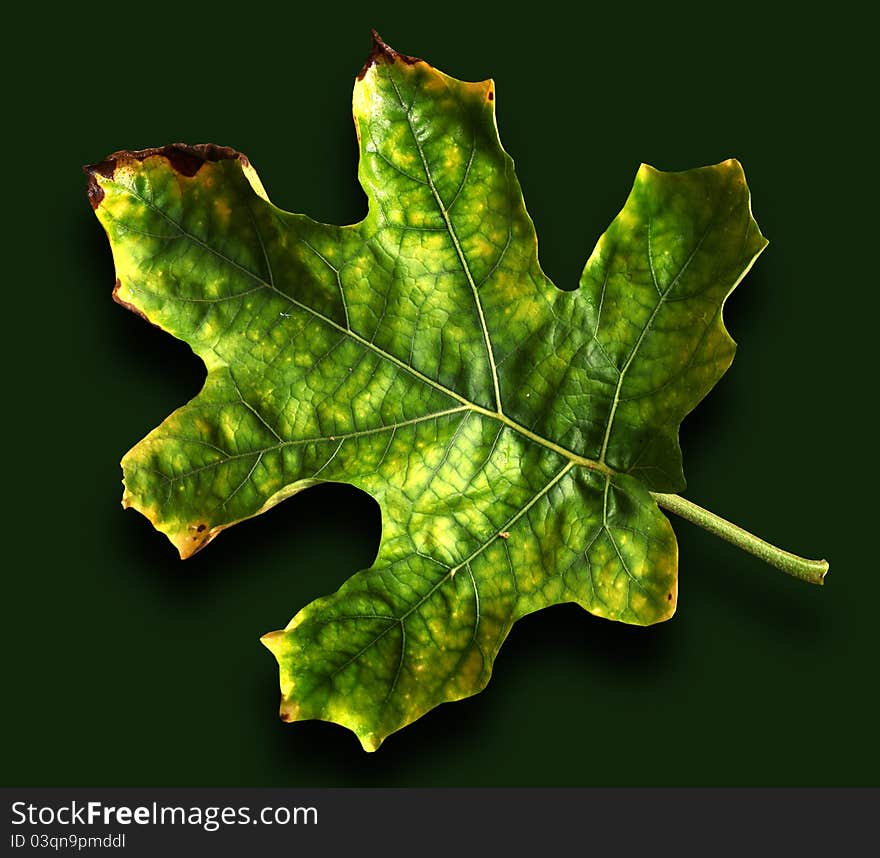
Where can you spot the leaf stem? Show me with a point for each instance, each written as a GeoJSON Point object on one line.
{"type": "Point", "coordinates": [812, 571]}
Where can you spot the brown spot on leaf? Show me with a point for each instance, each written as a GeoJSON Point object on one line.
{"type": "Point", "coordinates": [188, 160]}
{"type": "Point", "coordinates": [104, 168]}
{"type": "Point", "coordinates": [128, 306]}
{"type": "Point", "coordinates": [382, 53]}
{"type": "Point", "coordinates": [95, 192]}
{"type": "Point", "coordinates": [505, 534]}
{"type": "Point", "coordinates": [184, 162]}
{"type": "Point", "coordinates": [201, 527]}
{"type": "Point", "coordinates": [491, 95]}
{"type": "Point", "coordinates": [669, 597]}
{"type": "Point", "coordinates": [285, 716]}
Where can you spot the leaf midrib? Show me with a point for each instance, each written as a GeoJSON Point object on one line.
{"type": "Point", "coordinates": [449, 574]}
{"type": "Point", "coordinates": [663, 295]}
{"type": "Point", "coordinates": [490, 352]}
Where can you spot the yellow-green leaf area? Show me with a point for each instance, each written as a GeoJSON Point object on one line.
{"type": "Point", "coordinates": [510, 431]}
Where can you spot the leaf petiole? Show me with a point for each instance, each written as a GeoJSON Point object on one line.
{"type": "Point", "coordinates": [812, 571]}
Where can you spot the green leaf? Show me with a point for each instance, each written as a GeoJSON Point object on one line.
{"type": "Point", "coordinates": [510, 431]}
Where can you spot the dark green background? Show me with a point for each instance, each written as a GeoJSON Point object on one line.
{"type": "Point", "coordinates": [125, 666]}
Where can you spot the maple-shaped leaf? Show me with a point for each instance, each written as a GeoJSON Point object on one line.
{"type": "Point", "coordinates": [512, 433]}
